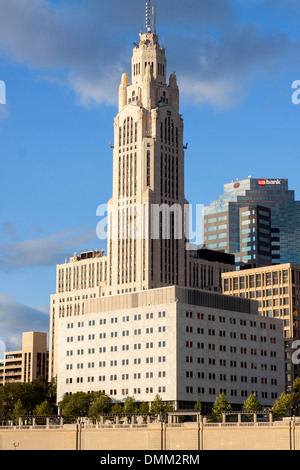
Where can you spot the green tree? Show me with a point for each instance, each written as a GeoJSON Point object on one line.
{"type": "Point", "coordinates": [101, 405]}
{"type": "Point", "coordinates": [157, 406]}
{"type": "Point", "coordinates": [296, 385]}
{"type": "Point", "coordinates": [76, 405]}
{"type": "Point", "coordinates": [11, 393]}
{"type": "Point", "coordinates": [116, 409]}
{"type": "Point", "coordinates": [43, 409]}
{"type": "Point", "coordinates": [29, 394]}
{"type": "Point", "coordinates": [252, 403]}
{"type": "Point", "coordinates": [198, 405]}
{"type": "Point", "coordinates": [282, 406]}
{"type": "Point", "coordinates": [52, 392]}
{"type": "Point", "coordinates": [40, 388]}
{"type": "Point", "coordinates": [168, 407]}
{"type": "Point", "coordinates": [17, 411]}
{"type": "Point", "coordinates": [220, 406]}
{"type": "Point", "coordinates": [130, 406]}
{"type": "Point", "coordinates": [144, 408]}
{"type": "Point", "coordinates": [296, 396]}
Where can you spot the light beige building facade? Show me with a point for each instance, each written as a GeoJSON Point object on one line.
{"type": "Point", "coordinates": [27, 364]}
{"type": "Point", "coordinates": [277, 291]}
{"type": "Point", "coordinates": [135, 322]}
{"type": "Point", "coordinates": [182, 344]}
{"type": "Point", "coordinates": [84, 277]}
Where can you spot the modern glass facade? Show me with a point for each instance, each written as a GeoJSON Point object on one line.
{"type": "Point", "coordinates": [270, 193]}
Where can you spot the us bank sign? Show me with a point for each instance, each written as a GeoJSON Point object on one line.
{"type": "Point", "coordinates": [267, 182]}
{"type": "Point", "coordinates": [2, 92]}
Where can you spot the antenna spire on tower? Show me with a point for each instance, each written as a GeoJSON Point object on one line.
{"type": "Point", "coordinates": [148, 16]}
{"type": "Point", "coordinates": [154, 18]}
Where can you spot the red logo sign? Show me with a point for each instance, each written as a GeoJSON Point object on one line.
{"type": "Point", "coordinates": [237, 185]}
{"type": "Point", "coordinates": [262, 182]}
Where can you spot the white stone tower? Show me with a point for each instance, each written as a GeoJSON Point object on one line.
{"type": "Point", "coordinates": [148, 173]}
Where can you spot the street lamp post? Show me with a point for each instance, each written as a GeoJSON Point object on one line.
{"type": "Point", "coordinates": [16, 444]}
{"type": "Point", "coordinates": [161, 420]}
{"type": "Point", "coordinates": [78, 432]}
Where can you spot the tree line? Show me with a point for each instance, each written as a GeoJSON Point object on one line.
{"type": "Point", "coordinates": [39, 399]}
{"type": "Point", "coordinates": [285, 406]}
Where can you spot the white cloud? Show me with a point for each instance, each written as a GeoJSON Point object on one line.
{"type": "Point", "coordinates": [16, 318]}
{"type": "Point", "coordinates": [45, 251]}
{"type": "Point", "coordinates": [92, 92]}
{"type": "Point", "coordinates": [90, 43]}
{"type": "Point", "coordinates": [219, 94]}
{"type": "Point", "coordinates": [223, 67]}
{"type": "Point", "coordinates": [2, 349]}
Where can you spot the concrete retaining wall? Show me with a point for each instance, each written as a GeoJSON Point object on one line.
{"type": "Point", "coordinates": [155, 437]}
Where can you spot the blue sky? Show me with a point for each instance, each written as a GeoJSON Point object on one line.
{"type": "Point", "coordinates": [62, 61]}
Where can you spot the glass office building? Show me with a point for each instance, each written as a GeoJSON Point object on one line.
{"type": "Point", "coordinates": [270, 232]}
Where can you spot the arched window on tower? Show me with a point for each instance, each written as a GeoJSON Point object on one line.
{"type": "Point", "coordinates": [148, 167]}
{"type": "Point", "coordinates": [164, 98]}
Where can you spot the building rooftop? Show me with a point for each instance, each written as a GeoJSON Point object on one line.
{"type": "Point", "coordinates": [87, 255]}
{"type": "Point", "coordinates": [167, 295]}
{"type": "Point", "coordinates": [201, 252]}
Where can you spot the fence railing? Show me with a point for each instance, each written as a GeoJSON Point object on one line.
{"type": "Point", "coordinates": [98, 425]}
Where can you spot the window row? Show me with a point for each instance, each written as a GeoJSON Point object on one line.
{"type": "Point", "coordinates": [233, 350]}
{"type": "Point", "coordinates": [70, 381]}
{"type": "Point", "coordinates": [231, 378]}
{"type": "Point", "coordinates": [257, 280]}
{"type": "Point", "coordinates": [71, 339]}
{"type": "Point", "coordinates": [233, 393]}
{"type": "Point", "coordinates": [232, 335]}
{"type": "Point", "coordinates": [230, 320]}
{"type": "Point", "coordinates": [115, 363]}
{"type": "Point", "coordinates": [126, 318]}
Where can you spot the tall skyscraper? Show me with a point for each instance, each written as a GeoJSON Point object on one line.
{"type": "Point", "coordinates": [148, 164]}
{"type": "Point", "coordinates": [258, 220]}
{"type": "Point", "coordinates": [130, 322]}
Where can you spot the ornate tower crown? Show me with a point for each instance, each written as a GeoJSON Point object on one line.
{"type": "Point", "coordinates": [148, 53]}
